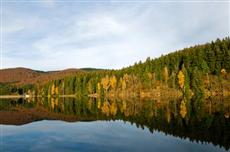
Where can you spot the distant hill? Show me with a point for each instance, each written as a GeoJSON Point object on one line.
{"type": "Point", "coordinates": [91, 69]}
{"type": "Point", "coordinates": [21, 76]}
{"type": "Point", "coordinates": [16, 75]}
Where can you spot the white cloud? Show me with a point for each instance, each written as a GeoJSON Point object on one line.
{"type": "Point", "coordinates": [98, 26]}
{"type": "Point", "coordinates": [19, 24]}
{"type": "Point", "coordinates": [48, 3]}
{"type": "Point", "coordinates": [85, 32]}
{"type": "Point", "coordinates": [113, 36]}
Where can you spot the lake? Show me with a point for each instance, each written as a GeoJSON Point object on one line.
{"type": "Point", "coordinates": [89, 124]}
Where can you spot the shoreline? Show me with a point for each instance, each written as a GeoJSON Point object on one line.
{"type": "Point", "coordinates": [11, 96]}
{"type": "Point", "coordinates": [24, 96]}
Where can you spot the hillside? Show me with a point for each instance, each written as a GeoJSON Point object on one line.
{"type": "Point", "coordinates": [200, 70]}
{"type": "Point", "coordinates": [23, 76]}
{"type": "Point", "coordinates": [17, 75]}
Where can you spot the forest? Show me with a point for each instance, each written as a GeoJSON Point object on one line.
{"type": "Point", "coordinates": [201, 70]}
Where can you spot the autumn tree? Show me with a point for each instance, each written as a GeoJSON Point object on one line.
{"type": "Point", "coordinates": [113, 108]}
{"type": "Point", "coordinates": [106, 108]}
{"type": "Point", "coordinates": [183, 109]}
{"type": "Point", "coordinates": [165, 74]}
{"type": "Point", "coordinates": [181, 79]}
{"type": "Point", "coordinates": [223, 73]}
{"type": "Point", "coordinates": [105, 83]}
{"type": "Point", "coordinates": [56, 90]}
{"type": "Point", "coordinates": [113, 82]}
{"type": "Point", "coordinates": [123, 84]}
{"type": "Point", "coordinates": [98, 88]}
{"type": "Point", "coordinates": [53, 89]}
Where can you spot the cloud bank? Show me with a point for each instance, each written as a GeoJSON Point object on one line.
{"type": "Point", "coordinates": [51, 35]}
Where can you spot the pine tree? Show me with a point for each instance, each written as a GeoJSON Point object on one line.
{"type": "Point", "coordinates": [196, 82]}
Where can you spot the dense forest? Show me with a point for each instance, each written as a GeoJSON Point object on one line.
{"type": "Point", "coordinates": [200, 70]}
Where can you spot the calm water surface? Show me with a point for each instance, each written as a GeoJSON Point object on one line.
{"type": "Point", "coordinates": [114, 125]}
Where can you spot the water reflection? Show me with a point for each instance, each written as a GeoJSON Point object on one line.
{"type": "Point", "coordinates": [197, 119]}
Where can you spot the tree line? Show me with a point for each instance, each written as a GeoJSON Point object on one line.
{"type": "Point", "coordinates": [189, 70]}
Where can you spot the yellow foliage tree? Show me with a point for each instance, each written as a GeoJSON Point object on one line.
{"type": "Point", "coordinates": [123, 106]}
{"type": "Point", "coordinates": [123, 84]}
{"type": "Point", "coordinates": [223, 72]}
{"type": "Point", "coordinates": [165, 74]}
{"type": "Point", "coordinates": [98, 87]}
{"type": "Point", "coordinates": [105, 108]}
{"type": "Point", "coordinates": [113, 109]}
{"type": "Point", "coordinates": [53, 89]}
{"type": "Point", "coordinates": [181, 79]}
{"type": "Point", "coordinates": [56, 90]}
{"type": "Point", "coordinates": [113, 82]}
{"type": "Point", "coordinates": [126, 77]}
{"type": "Point", "coordinates": [183, 109]}
{"type": "Point", "coordinates": [150, 77]}
{"type": "Point", "coordinates": [99, 103]}
{"type": "Point", "coordinates": [56, 101]}
{"type": "Point", "coordinates": [52, 103]}
{"type": "Point", "coordinates": [105, 83]}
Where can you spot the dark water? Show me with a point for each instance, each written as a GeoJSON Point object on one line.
{"type": "Point", "coordinates": [69, 124]}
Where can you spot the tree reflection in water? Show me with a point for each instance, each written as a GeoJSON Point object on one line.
{"type": "Point", "coordinates": [197, 119]}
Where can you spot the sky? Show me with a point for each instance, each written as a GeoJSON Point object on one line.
{"type": "Point", "coordinates": [112, 34]}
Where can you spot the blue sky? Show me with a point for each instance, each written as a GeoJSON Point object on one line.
{"type": "Point", "coordinates": [53, 35]}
